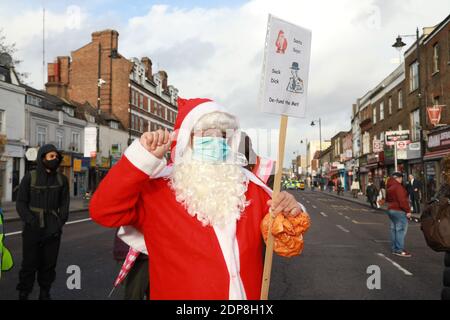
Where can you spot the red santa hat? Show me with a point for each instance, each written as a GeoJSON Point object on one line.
{"type": "Point", "coordinates": [199, 113]}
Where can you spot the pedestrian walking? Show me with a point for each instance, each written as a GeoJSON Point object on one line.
{"type": "Point", "coordinates": [371, 193]}
{"type": "Point", "coordinates": [339, 187]}
{"type": "Point", "coordinates": [330, 185]}
{"type": "Point", "coordinates": [398, 211]}
{"type": "Point", "coordinates": [381, 194]}
{"type": "Point", "coordinates": [43, 205]}
{"type": "Point", "coordinates": [355, 188]}
{"type": "Point", "coordinates": [414, 187]}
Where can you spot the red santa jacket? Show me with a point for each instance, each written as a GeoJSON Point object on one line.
{"type": "Point", "coordinates": [186, 261]}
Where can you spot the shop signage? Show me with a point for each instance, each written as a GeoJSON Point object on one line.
{"type": "Point", "coordinates": [76, 165]}
{"type": "Point", "coordinates": [393, 136]}
{"type": "Point", "coordinates": [439, 140]}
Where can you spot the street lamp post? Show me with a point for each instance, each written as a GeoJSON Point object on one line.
{"type": "Point", "coordinates": [399, 44]}
{"type": "Point", "coordinates": [313, 123]}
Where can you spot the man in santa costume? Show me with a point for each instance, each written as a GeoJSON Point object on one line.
{"type": "Point", "coordinates": [198, 218]}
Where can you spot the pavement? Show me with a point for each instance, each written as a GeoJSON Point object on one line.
{"type": "Point", "coordinates": [345, 243]}
{"type": "Point", "coordinates": [10, 213]}
{"type": "Point", "coordinates": [362, 199]}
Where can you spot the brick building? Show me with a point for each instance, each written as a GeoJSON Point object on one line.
{"type": "Point", "coordinates": [399, 103]}
{"type": "Point", "coordinates": [125, 88]}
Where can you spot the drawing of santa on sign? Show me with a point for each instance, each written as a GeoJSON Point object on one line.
{"type": "Point", "coordinates": [281, 42]}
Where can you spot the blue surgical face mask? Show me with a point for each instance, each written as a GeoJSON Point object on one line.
{"type": "Point", "coordinates": [210, 149]}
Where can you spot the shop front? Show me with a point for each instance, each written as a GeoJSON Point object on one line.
{"type": "Point", "coordinates": [80, 176]}
{"type": "Point", "coordinates": [438, 147]}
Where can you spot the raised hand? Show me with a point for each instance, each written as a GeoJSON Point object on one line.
{"type": "Point", "coordinates": [156, 142]}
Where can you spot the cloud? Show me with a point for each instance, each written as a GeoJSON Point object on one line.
{"type": "Point", "coordinates": [218, 52]}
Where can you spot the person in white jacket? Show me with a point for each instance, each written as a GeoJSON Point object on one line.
{"type": "Point", "coordinates": [355, 188]}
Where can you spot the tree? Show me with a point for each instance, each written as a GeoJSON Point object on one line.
{"type": "Point", "coordinates": [11, 49]}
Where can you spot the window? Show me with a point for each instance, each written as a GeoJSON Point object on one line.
{"type": "Point", "coordinates": [374, 115]}
{"type": "Point", "coordinates": [448, 41]}
{"type": "Point", "coordinates": [41, 134]}
{"type": "Point", "coordinates": [436, 101]}
{"type": "Point", "coordinates": [141, 125]}
{"type": "Point", "coordinates": [400, 127]}
{"type": "Point", "coordinates": [414, 76]}
{"type": "Point", "coordinates": [89, 117]}
{"type": "Point", "coordinates": [114, 125]}
{"type": "Point", "coordinates": [34, 101]}
{"type": "Point", "coordinates": [69, 110]}
{"type": "Point", "coordinates": [75, 141]}
{"type": "Point", "coordinates": [149, 102]}
{"type": "Point", "coordinates": [390, 105]}
{"type": "Point", "coordinates": [415, 125]}
{"type": "Point", "coordinates": [2, 77]}
{"type": "Point", "coordinates": [400, 99]}
{"type": "Point", "coordinates": [60, 139]}
{"type": "Point", "coordinates": [141, 101]}
{"type": "Point", "coordinates": [133, 100]}
{"type": "Point", "coordinates": [436, 58]}
{"type": "Point", "coordinates": [132, 122]}
{"type": "Point", "coordinates": [2, 121]}
{"type": "Point", "coordinates": [382, 111]}
{"type": "Point", "coordinates": [382, 137]}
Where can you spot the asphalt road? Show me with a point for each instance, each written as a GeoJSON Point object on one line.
{"type": "Point", "coordinates": [344, 240]}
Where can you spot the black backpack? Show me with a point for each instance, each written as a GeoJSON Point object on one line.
{"type": "Point", "coordinates": [435, 224]}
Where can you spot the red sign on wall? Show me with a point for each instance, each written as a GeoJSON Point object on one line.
{"type": "Point", "coordinates": [434, 114]}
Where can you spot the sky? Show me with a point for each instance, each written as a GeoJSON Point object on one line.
{"type": "Point", "coordinates": [214, 49]}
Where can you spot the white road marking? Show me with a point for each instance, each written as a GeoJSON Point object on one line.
{"type": "Point", "coordinates": [340, 213]}
{"type": "Point", "coordinates": [78, 221]}
{"type": "Point", "coordinates": [342, 228]}
{"type": "Point", "coordinates": [324, 214]}
{"type": "Point", "coordinates": [357, 222]}
{"type": "Point", "coordinates": [12, 233]}
{"type": "Point", "coordinates": [314, 207]}
{"type": "Point", "coordinates": [71, 222]}
{"type": "Point", "coordinates": [399, 267]}
{"type": "Point", "coordinates": [347, 217]}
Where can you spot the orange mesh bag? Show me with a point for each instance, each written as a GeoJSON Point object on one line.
{"type": "Point", "coordinates": [287, 232]}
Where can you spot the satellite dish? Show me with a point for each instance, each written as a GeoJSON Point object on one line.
{"type": "Point", "coordinates": [31, 154]}
{"type": "Point", "coordinates": [5, 59]}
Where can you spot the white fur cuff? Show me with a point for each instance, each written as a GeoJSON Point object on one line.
{"type": "Point", "coordinates": [144, 160]}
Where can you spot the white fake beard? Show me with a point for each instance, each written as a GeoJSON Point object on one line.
{"type": "Point", "coordinates": [214, 193]}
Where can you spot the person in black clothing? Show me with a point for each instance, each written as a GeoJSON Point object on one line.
{"type": "Point", "coordinates": [444, 191]}
{"type": "Point", "coordinates": [413, 187]}
{"type": "Point", "coordinates": [43, 205]}
{"type": "Point", "coordinates": [371, 193]}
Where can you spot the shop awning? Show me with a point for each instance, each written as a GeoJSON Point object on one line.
{"type": "Point", "coordinates": [436, 154]}
{"type": "Point", "coordinates": [372, 165]}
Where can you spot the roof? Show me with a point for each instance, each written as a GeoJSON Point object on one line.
{"type": "Point", "coordinates": [50, 102]}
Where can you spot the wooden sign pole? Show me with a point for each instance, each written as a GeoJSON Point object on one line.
{"type": "Point", "coordinates": [276, 189]}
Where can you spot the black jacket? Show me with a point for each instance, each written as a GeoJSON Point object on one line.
{"type": "Point", "coordinates": [444, 191]}
{"type": "Point", "coordinates": [54, 201]}
{"type": "Point", "coordinates": [446, 290]}
{"type": "Point", "coordinates": [410, 188]}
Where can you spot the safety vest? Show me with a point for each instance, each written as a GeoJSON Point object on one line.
{"type": "Point", "coordinates": [6, 260]}
{"type": "Point", "coordinates": [34, 187]}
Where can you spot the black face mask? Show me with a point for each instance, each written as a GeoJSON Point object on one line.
{"type": "Point", "coordinates": [51, 164]}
